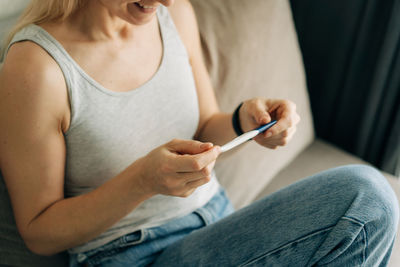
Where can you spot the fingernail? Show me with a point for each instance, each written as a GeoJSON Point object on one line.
{"type": "Point", "coordinates": [269, 134]}
{"type": "Point", "coordinates": [264, 120]}
{"type": "Point", "coordinates": [206, 145]}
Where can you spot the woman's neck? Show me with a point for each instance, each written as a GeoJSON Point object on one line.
{"type": "Point", "coordinates": [98, 23]}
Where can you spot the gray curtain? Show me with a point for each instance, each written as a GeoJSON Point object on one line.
{"type": "Point", "coordinates": [351, 51]}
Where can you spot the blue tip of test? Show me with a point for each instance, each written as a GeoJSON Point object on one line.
{"type": "Point", "coordinates": [265, 127]}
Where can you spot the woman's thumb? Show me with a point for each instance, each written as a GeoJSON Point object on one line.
{"type": "Point", "coordinates": [191, 147]}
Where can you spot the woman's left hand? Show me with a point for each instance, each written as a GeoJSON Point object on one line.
{"type": "Point", "coordinates": [259, 111]}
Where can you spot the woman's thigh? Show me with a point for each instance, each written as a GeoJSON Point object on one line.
{"type": "Point", "coordinates": [323, 219]}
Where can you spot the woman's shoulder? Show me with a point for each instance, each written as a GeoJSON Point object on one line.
{"type": "Point", "coordinates": [27, 66]}
{"type": "Point", "coordinates": [26, 58]}
{"type": "Point", "coordinates": [31, 74]}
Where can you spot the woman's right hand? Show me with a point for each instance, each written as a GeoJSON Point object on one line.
{"type": "Point", "coordinates": [178, 167]}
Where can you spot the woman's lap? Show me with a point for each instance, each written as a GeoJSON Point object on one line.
{"type": "Point", "coordinates": [142, 247]}
{"type": "Point", "coordinates": [325, 219]}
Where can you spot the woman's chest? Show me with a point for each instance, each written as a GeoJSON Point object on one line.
{"type": "Point", "coordinates": [120, 69]}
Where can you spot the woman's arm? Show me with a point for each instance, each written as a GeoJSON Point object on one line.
{"type": "Point", "coordinates": [33, 107]}
{"type": "Point", "coordinates": [34, 112]}
{"type": "Point", "coordinates": [215, 126]}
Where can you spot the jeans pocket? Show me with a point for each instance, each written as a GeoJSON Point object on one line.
{"type": "Point", "coordinates": [203, 217]}
{"type": "Point", "coordinates": [217, 208]}
{"type": "Point", "coordinates": [102, 256]}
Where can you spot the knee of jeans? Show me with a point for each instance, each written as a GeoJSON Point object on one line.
{"type": "Point", "coordinates": [375, 192]}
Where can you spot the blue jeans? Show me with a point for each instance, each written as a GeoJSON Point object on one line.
{"type": "Point", "coordinates": [345, 216]}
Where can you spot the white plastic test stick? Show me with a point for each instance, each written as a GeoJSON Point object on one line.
{"type": "Point", "coordinates": [246, 136]}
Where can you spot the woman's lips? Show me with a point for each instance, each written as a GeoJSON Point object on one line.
{"type": "Point", "coordinates": [144, 8]}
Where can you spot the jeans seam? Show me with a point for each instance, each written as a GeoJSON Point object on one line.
{"type": "Point", "coordinates": [362, 224]}
{"type": "Point", "coordinates": [365, 245]}
{"type": "Point", "coordinates": [253, 260]}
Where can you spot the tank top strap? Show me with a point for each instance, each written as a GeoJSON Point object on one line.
{"type": "Point", "coordinates": [173, 45]}
{"type": "Point", "coordinates": [42, 38]}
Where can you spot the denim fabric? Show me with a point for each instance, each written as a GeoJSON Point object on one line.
{"type": "Point", "coordinates": [142, 247]}
{"type": "Point", "coordinates": [346, 216]}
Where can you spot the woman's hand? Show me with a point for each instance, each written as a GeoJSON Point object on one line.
{"type": "Point", "coordinates": [178, 167]}
{"type": "Point", "coordinates": [258, 111]}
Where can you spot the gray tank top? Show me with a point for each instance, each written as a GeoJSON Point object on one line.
{"type": "Point", "coordinates": [109, 130]}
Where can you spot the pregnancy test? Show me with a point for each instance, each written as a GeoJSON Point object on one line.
{"type": "Point", "coordinates": [246, 136]}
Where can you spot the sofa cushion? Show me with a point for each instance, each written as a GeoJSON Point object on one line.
{"type": "Point", "coordinates": [318, 157]}
{"type": "Point", "coordinates": [251, 49]}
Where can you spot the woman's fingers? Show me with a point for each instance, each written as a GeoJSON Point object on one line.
{"type": "Point", "coordinates": [259, 112]}
{"type": "Point", "coordinates": [197, 162]}
{"type": "Point", "coordinates": [188, 146]}
{"type": "Point", "coordinates": [286, 116]}
{"type": "Point", "coordinates": [182, 172]}
{"type": "Point", "coordinates": [190, 155]}
{"type": "Point", "coordinates": [280, 139]}
{"type": "Point", "coordinates": [169, 168]}
{"type": "Point", "coordinates": [192, 176]}
{"type": "Point", "coordinates": [253, 113]}
{"type": "Point", "coordinates": [198, 182]}
{"type": "Point", "coordinates": [188, 182]}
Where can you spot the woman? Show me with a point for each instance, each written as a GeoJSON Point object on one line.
{"type": "Point", "coordinates": [112, 132]}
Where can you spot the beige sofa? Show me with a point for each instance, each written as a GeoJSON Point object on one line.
{"type": "Point", "coordinates": [251, 49]}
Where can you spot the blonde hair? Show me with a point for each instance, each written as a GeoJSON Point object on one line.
{"type": "Point", "coordinates": [41, 11]}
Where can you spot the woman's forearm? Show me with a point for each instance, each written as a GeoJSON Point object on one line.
{"type": "Point", "coordinates": [74, 221]}
{"type": "Point", "coordinates": [218, 129]}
